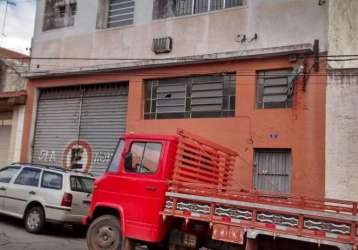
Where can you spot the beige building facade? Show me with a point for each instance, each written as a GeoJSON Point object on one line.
{"type": "Point", "coordinates": [12, 101]}
{"type": "Point", "coordinates": [342, 101]}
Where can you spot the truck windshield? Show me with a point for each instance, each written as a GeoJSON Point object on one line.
{"type": "Point", "coordinates": [114, 165]}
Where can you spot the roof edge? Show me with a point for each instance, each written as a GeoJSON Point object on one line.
{"type": "Point", "coordinates": [11, 94]}
{"type": "Point", "coordinates": [188, 60]}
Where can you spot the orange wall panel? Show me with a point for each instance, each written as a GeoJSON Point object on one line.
{"type": "Point", "coordinates": [300, 128]}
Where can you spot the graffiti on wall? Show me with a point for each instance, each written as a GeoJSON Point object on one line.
{"type": "Point", "coordinates": [102, 157]}
{"type": "Point", "coordinates": [78, 155]}
{"type": "Point", "coordinates": [47, 156]}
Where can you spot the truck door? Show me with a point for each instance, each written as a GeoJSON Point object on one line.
{"type": "Point", "coordinates": [143, 188]}
{"type": "Point", "coordinates": [141, 168]}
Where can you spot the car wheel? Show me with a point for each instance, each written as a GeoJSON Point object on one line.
{"type": "Point", "coordinates": [34, 220]}
{"type": "Point", "coordinates": [105, 233]}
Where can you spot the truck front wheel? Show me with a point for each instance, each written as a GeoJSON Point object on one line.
{"type": "Point", "coordinates": [105, 233]}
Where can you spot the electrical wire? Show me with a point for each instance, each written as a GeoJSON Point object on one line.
{"type": "Point", "coordinates": [157, 59]}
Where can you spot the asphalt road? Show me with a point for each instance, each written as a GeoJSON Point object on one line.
{"type": "Point", "coordinates": [14, 237]}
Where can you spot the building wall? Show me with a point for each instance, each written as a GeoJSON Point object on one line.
{"type": "Point", "coordinates": [341, 106]}
{"type": "Point", "coordinates": [342, 135]}
{"type": "Point", "coordinates": [300, 128]}
{"type": "Point", "coordinates": [5, 131]}
{"type": "Point", "coordinates": [16, 133]}
{"type": "Point", "coordinates": [342, 31]}
{"type": "Point", "coordinates": [276, 22]}
{"type": "Point", "coordinates": [11, 79]}
{"type": "Point", "coordinates": [14, 122]}
{"type": "Point", "coordinates": [12, 65]}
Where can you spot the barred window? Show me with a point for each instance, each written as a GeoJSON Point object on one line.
{"type": "Point", "coordinates": [272, 89]}
{"type": "Point", "coordinates": [169, 8]}
{"type": "Point", "coordinates": [190, 97]}
{"type": "Point", "coordinates": [120, 13]}
{"type": "Point", "coordinates": [59, 14]}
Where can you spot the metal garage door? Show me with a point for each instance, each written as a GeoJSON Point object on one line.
{"type": "Point", "coordinates": [272, 172]}
{"type": "Point", "coordinates": [5, 133]}
{"type": "Point", "coordinates": [78, 127]}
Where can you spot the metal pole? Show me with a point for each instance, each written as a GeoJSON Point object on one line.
{"type": "Point", "coordinates": [3, 24]}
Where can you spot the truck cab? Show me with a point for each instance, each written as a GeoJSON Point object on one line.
{"type": "Point", "coordinates": [132, 191]}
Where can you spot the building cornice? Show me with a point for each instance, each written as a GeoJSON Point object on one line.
{"type": "Point", "coordinates": [177, 61]}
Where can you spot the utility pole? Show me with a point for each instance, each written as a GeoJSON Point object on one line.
{"type": "Point", "coordinates": [8, 2]}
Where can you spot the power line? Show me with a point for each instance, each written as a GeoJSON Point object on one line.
{"type": "Point", "coordinates": [4, 23]}
{"type": "Point", "coordinates": [343, 60]}
{"type": "Point", "coordinates": [190, 58]}
{"type": "Point", "coordinates": [18, 2]}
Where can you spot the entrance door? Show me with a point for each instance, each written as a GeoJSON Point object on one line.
{"type": "Point", "coordinates": [5, 133]}
{"type": "Point", "coordinates": [272, 170]}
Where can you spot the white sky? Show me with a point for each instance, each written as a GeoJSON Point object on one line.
{"type": "Point", "coordinates": [19, 26]}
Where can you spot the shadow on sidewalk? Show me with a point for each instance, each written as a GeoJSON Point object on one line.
{"type": "Point", "coordinates": [51, 229]}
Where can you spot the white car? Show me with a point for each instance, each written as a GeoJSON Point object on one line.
{"type": "Point", "coordinates": [40, 194]}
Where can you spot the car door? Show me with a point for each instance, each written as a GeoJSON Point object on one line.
{"type": "Point", "coordinates": [22, 190]}
{"type": "Point", "coordinates": [81, 188]}
{"type": "Point", "coordinates": [51, 190]}
{"type": "Point", "coordinates": [6, 175]}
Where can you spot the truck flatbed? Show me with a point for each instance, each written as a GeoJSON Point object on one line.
{"type": "Point", "coordinates": [200, 190]}
{"type": "Point", "coordinates": [331, 223]}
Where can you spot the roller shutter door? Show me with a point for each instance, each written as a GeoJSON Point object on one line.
{"type": "Point", "coordinates": [5, 133]}
{"type": "Point", "coordinates": [79, 127]}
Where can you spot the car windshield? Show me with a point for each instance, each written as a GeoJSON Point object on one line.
{"type": "Point", "coordinates": [81, 184]}
{"type": "Point", "coordinates": [114, 165]}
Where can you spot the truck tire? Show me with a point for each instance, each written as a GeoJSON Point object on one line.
{"type": "Point", "coordinates": [34, 220]}
{"type": "Point", "coordinates": [105, 233]}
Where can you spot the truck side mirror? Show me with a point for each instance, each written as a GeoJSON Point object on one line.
{"type": "Point", "coordinates": [128, 160]}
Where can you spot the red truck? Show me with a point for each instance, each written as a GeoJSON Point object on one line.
{"type": "Point", "coordinates": [175, 192]}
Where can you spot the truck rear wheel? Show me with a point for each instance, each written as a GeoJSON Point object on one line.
{"type": "Point", "coordinates": [105, 233]}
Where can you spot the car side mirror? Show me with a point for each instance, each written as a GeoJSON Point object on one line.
{"type": "Point", "coordinates": [128, 160]}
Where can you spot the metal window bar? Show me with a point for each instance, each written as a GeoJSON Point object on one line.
{"type": "Point", "coordinates": [190, 7]}
{"type": "Point", "coordinates": [151, 100]}
{"type": "Point", "coordinates": [120, 13]}
{"type": "Point", "coordinates": [272, 89]}
{"type": "Point", "coordinates": [233, 3]}
{"type": "Point", "coordinates": [184, 7]}
{"type": "Point", "coordinates": [216, 5]}
{"type": "Point", "coordinates": [204, 96]}
{"type": "Point", "coordinates": [201, 6]}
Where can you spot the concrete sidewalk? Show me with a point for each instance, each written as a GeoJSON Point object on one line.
{"type": "Point", "coordinates": [14, 237]}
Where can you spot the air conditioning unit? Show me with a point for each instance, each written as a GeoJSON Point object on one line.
{"type": "Point", "coordinates": [162, 45]}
